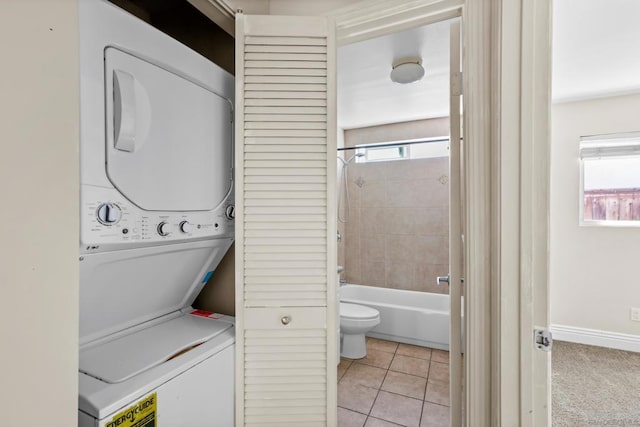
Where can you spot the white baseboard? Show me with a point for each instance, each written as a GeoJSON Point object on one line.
{"type": "Point", "coordinates": [615, 340]}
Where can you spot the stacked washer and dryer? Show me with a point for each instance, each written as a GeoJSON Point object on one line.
{"type": "Point", "coordinates": [156, 194]}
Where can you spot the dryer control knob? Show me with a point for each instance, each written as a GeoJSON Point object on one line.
{"type": "Point", "coordinates": [230, 212]}
{"type": "Point", "coordinates": [164, 229]}
{"type": "Point", "coordinates": [108, 213]}
{"type": "Point", "coordinates": [186, 227]}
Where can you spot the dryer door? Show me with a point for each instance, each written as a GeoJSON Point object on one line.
{"type": "Point", "coordinates": [168, 139]}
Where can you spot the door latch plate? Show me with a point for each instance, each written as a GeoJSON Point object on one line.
{"type": "Point", "coordinates": [542, 339]}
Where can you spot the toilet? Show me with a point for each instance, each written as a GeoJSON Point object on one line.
{"type": "Point", "coordinates": [355, 321]}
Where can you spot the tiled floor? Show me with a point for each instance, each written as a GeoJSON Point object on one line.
{"type": "Point", "coordinates": [396, 384]}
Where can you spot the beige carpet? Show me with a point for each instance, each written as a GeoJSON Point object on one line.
{"type": "Point", "coordinates": [594, 386]}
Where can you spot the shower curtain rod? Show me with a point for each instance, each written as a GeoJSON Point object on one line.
{"type": "Point", "coordinates": [395, 144]}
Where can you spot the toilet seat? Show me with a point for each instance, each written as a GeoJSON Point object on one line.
{"type": "Point", "coordinates": [356, 311]}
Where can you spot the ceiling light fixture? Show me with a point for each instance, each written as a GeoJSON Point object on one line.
{"type": "Point", "coordinates": [407, 70]}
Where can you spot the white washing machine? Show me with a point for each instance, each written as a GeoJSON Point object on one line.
{"type": "Point", "coordinates": [156, 196]}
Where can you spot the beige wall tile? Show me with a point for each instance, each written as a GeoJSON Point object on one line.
{"type": "Point", "coordinates": [397, 236]}
{"type": "Point", "coordinates": [368, 172]}
{"type": "Point", "coordinates": [373, 195]}
{"type": "Point", "coordinates": [431, 193]}
{"type": "Point", "coordinates": [400, 275]}
{"type": "Point", "coordinates": [353, 226]}
{"type": "Point", "coordinates": [403, 221]}
{"type": "Point", "coordinates": [432, 249]}
{"type": "Point", "coordinates": [373, 274]}
{"type": "Point", "coordinates": [432, 221]}
{"type": "Point", "coordinates": [372, 247]}
{"type": "Point", "coordinates": [372, 220]}
{"type": "Point", "coordinates": [400, 249]}
{"type": "Point", "coordinates": [427, 274]}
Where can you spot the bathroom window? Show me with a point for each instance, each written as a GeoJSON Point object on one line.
{"type": "Point", "coordinates": [610, 180]}
{"type": "Point", "coordinates": [402, 150]}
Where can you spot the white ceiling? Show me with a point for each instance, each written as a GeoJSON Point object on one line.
{"type": "Point", "coordinates": [596, 53]}
{"type": "Point", "coordinates": [596, 48]}
{"type": "Point", "coordinates": [366, 94]}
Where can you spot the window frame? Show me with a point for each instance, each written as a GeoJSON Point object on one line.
{"type": "Point", "coordinates": [401, 144]}
{"type": "Point", "coordinates": [612, 146]}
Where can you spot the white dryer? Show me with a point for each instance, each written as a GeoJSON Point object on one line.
{"type": "Point", "coordinates": [156, 196]}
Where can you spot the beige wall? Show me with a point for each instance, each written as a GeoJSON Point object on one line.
{"type": "Point", "coordinates": [397, 235]}
{"type": "Point", "coordinates": [593, 270]}
{"type": "Point", "coordinates": [219, 294]}
{"type": "Point", "coordinates": [39, 217]}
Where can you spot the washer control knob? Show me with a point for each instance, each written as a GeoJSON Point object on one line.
{"type": "Point", "coordinates": [230, 212]}
{"type": "Point", "coordinates": [186, 227]}
{"type": "Point", "coordinates": [108, 213]}
{"type": "Point", "coordinates": [164, 229]}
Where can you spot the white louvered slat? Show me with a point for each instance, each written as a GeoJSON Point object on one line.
{"type": "Point", "coordinates": [290, 111]}
{"type": "Point", "coordinates": [286, 79]}
{"type": "Point", "coordinates": [277, 56]}
{"type": "Point", "coordinates": [285, 118]}
{"type": "Point", "coordinates": [285, 244]}
{"type": "Point", "coordinates": [285, 48]}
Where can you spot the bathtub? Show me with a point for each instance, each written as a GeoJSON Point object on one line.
{"type": "Point", "coordinates": [419, 318]}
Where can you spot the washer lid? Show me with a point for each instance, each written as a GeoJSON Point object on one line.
{"type": "Point", "coordinates": [118, 360]}
{"type": "Point", "coordinates": [357, 311]}
{"type": "Point", "coordinates": [125, 288]}
{"type": "Point", "coordinates": [168, 138]}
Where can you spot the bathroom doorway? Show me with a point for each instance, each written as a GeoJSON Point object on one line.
{"type": "Point", "coordinates": [394, 176]}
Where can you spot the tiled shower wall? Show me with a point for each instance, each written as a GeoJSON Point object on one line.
{"type": "Point", "coordinates": [397, 234]}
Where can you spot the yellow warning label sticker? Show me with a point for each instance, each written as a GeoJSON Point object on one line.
{"type": "Point", "coordinates": [142, 414]}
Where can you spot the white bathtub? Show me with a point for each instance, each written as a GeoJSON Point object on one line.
{"type": "Point", "coordinates": [419, 318]}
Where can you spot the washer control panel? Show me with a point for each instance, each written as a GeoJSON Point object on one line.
{"type": "Point", "coordinates": [109, 221]}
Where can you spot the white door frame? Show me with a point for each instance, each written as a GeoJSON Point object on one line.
{"type": "Point", "coordinates": [506, 81]}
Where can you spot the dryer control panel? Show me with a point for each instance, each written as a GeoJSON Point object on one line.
{"type": "Point", "coordinates": [109, 222]}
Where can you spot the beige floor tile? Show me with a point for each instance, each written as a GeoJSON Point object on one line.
{"type": "Point", "coordinates": [377, 358]}
{"type": "Point", "coordinates": [437, 392]}
{"type": "Point", "coordinates": [439, 372]}
{"type": "Point", "coordinates": [410, 365]}
{"type": "Point", "coordinates": [356, 397]}
{"type": "Point", "coordinates": [397, 409]}
{"type": "Point", "coordinates": [434, 415]}
{"type": "Point", "coordinates": [381, 345]}
{"type": "Point", "coordinates": [365, 375]}
{"type": "Point", "coordinates": [375, 422]}
{"type": "Point", "coordinates": [440, 356]}
{"type": "Point", "coordinates": [414, 351]}
{"type": "Point", "coordinates": [343, 366]}
{"type": "Point", "coordinates": [405, 384]}
{"type": "Point", "coordinates": [347, 418]}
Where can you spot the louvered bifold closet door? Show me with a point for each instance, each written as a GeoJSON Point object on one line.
{"type": "Point", "coordinates": [285, 223]}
